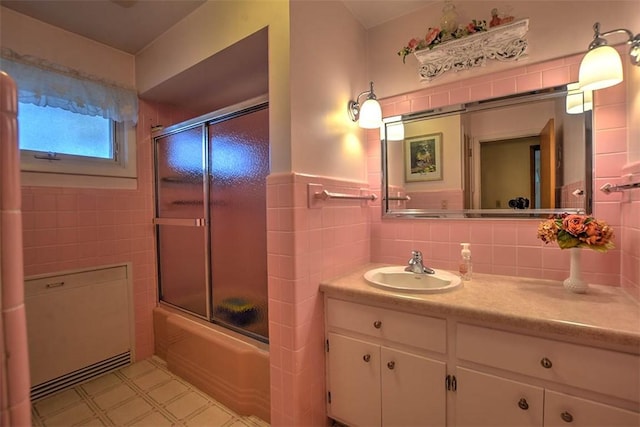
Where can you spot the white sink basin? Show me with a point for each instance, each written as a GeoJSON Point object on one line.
{"type": "Point", "coordinates": [397, 279]}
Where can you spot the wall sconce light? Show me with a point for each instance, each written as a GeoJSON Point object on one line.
{"type": "Point", "coordinates": [578, 101]}
{"type": "Point", "coordinates": [369, 114]}
{"type": "Point", "coordinates": [602, 67]}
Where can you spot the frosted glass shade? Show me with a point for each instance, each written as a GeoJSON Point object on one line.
{"type": "Point", "coordinates": [577, 100]}
{"type": "Point", "coordinates": [600, 68]}
{"type": "Point", "coordinates": [370, 114]}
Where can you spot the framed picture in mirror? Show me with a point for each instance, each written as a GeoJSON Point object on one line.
{"type": "Point", "coordinates": [423, 158]}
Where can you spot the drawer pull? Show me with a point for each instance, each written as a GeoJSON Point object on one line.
{"type": "Point", "coordinates": [377, 324]}
{"type": "Point", "coordinates": [546, 363]}
{"type": "Point", "coordinates": [523, 404]}
{"type": "Point", "coordinates": [366, 358]}
{"type": "Point", "coordinates": [54, 285]}
{"type": "Point", "coordinates": [566, 417]}
{"type": "Point", "coordinates": [391, 364]}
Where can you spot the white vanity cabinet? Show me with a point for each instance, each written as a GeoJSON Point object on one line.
{"type": "Point", "coordinates": [384, 367]}
{"type": "Point", "coordinates": [487, 394]}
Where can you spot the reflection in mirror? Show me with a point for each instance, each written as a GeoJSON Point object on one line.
{"type": "Point", "coordinates": [518, 156]}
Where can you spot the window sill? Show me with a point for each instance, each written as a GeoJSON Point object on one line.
{"type": "Point", "coordinates": [40, 179]}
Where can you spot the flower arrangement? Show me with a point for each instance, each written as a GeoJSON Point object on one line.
{"type": "Point", "coordinates": [435, 36]}
{"type": "Point", "coordinates": [576, 231]}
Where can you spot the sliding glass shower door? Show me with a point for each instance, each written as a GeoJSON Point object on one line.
{"type": "Point", "coordinates": [239, 165]}
{"type": "Point", "coordinates": [211, 219]}
{"type": "Point", "coordinates": [181, 219]}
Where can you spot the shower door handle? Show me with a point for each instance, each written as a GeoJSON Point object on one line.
{"type": "Point", "coordinates": [186, 222]}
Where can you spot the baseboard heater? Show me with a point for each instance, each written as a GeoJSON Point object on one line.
{"type": "Point", "coordinates": [81, 375]}
{"type": "Point", "coordinates": [79, 326]}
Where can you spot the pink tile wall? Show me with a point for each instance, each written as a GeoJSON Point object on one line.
{"type": "Point", "coordinates": [630, 235]}
{"type": "Point", "coordinates": [15, 402]}
{"type": "Point", "coordinates": [72, 228]}
{"type": "Point", "coordinates": [505, 246]}
{"type": "Point", "coordinates": [306, 245]}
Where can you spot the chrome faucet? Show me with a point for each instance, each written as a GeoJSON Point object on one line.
{"type": "Point", "coordinates": [416, 265]}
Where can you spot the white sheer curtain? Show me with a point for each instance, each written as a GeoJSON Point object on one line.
{"type": "Point", "coordinates": [45, 84]}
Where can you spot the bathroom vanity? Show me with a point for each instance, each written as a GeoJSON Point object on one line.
{"type": "Point", "coordinates": [498, 351]}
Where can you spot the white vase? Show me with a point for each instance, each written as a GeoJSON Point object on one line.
{"type": "Point", "coordinates": [574, 282]}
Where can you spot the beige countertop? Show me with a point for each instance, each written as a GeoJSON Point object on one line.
{"type": "Point", "coordinates": [605, 314]}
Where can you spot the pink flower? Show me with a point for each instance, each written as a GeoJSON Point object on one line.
{"type": "Point", "coordinates": [431, 35]}
{"type": "Point", "coordinates": [413, 43]}
{"type": "Point", "coordinates": [471, 28]}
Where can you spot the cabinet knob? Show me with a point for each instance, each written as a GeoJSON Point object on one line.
{"type": "Point", "coordinates": [523, 404]}
{"type": "Point", "coordinates": [566, 417]}
{"type": "Point", "coordinates": [546, 363]}
{"type": "Point", "coordinates": [377, 324]}
{"type": "Point", "coordinates": [391, 364]}
{"type": "Point", "coordinates": [366, 358]}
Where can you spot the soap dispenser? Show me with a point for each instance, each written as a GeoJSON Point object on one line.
{"type": "Point", "coordinates": [465, 267]}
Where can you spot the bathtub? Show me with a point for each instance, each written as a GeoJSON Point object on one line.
{"type": "Point", "coordinates": [232, 369]}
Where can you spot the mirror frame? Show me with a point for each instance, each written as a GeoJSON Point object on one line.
{"type": "Point", "coordinates": [553, 92]}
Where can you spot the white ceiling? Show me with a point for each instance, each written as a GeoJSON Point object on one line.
{"type": "Point", "coordinates": [127, 25]}
{"type": "Point", "coordinates": [131, 25]}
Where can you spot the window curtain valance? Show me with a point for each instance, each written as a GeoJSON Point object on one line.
{"type": "Point", "coordinates": [45, 84]}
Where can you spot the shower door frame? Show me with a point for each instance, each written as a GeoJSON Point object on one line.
{"type": "Point", "coordinates": [236, 110]}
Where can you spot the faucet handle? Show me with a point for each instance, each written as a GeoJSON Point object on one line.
{"type": "Point", "coordinates": [416, 256]}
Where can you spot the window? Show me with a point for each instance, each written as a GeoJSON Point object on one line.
{"type": "Point", "coordinates": [48, 132]}
{"type": "Point", "coordinates": [73, 129]}
{"type": "Point", "coordinates": [54, 140]}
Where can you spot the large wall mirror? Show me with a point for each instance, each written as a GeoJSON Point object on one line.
{"type": "Point", "coordinates": [520, 156]}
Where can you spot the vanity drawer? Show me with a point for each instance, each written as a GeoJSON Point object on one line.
{"type": "Point", "coordinates": [603, 371]}
{"type": "Point", "coordinates": [424, 332]}
{"type": "Point", "coordinates": [561, 410]}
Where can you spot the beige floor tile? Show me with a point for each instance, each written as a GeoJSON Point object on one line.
{"type": "Point", "coordinates": [210, 417]}
{"type": "Point", "coordinates": [101, 384]}
{"type": "Point", "coordinates": [138, 368]}
{"type": "Point", "coordinates": [187, 404]}
{"type": "Point", "coordinates": [114, 396]}
{"type": "Point", "coordinates": [93, 422]}
{"type": "Point", "coordinates": [112, 400]}
{"type": "Point", "coordinates": [70, 416]}
{"type": "Point", "coordinates": [240, 423]}
{"type": "Point", "coordinates": [252, 420]}
{"type": "Point", "coordinates": [128, 412]}
{"type": "Point", "coordinates": [153, 419]}
{"type": "Point", "coordinates": [56, 402]}
{"type": "Point", "coordinates": [168, 391]}
{"type": "Point", "coordinates": [151, 379]}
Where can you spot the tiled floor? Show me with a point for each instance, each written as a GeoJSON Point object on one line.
{"type": "Point", "coordinates": [142, 394]}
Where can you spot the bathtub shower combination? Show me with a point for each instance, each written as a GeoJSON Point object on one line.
{"type": "Point", "coordinates": [211, 325]}
{"type": "Point", "coordinates": [211, 217]}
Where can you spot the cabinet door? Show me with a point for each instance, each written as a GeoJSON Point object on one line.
{"type": "Point", "coordinates": [487, 400]}
{"type": "Point", "coordinates": [413, 390]}
{"type": "Point", "coordinates": [562, 410]}
{"type": "Point", "coordinates": [354, 381]}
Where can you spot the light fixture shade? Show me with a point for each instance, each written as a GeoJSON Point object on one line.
{"type": "Point", "coordinates": [577, 100]}
{"type": "Point", "coordinates": [370, 114]}
{"type": "Point", "coordinates": [601, 67]}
